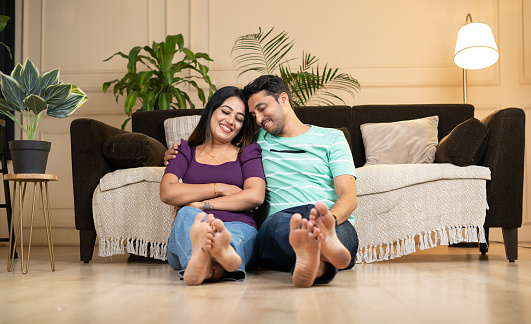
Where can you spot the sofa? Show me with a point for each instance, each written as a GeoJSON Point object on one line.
{"type": "Point", "coordinates": [478, 190]}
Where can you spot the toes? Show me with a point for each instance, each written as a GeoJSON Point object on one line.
{"type": "Point", "coordinates": [210, 218]}
{"type": "Point", "coordinates": [321, 207]}
{"type": "Point", "coordinates": [295, 222]}
{"type": "Point", "coordinates": [218, 225]}
{"type": "Point", "coordinates": [199, 218]}
{"type": "Point", "coordinates": [317, 233]}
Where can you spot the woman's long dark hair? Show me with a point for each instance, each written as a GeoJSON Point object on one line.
{"type": "Point", "coordinates": [201, 133]}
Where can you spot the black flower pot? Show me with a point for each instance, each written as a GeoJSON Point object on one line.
{"type": "Point", "coordinates": [29, 156]}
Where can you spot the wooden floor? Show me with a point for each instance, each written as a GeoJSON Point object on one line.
{"type": "Point", "coordinates": [441, 285]}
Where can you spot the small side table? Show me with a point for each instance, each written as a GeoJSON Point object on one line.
{"type": "Point", "coordinates": [21, 180]}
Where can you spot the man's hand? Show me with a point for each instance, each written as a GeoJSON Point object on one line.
{"type": "Point", "coordinates": [170, 154]}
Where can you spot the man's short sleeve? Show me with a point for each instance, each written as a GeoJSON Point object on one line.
{"type": "Point", "coordinates": [341, 161]}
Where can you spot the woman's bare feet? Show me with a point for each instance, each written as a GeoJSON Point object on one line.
{"type": "Point", "coordinates": [332, 250]}
{"type": "Point", "coordinates": [222, 252]}
{"type": "Point", "coordinates": [305, 239]}
{"type": "Point", "coordinates": [199, 266]}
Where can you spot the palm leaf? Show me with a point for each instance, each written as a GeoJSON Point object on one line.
{"type": "Point", "coordinates": [261, 53]}
{"type": "Point", "coordinates": [312, 85]}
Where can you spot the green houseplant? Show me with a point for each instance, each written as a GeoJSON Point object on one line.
{"type": "Point", "coordinates": [266, 53]}
{"type": "Point", "coordinates": [3, 23]}
{"type": "Point", "coordinates": [159, 84]}
{"type": "Point", "coordinates": [35, 96]}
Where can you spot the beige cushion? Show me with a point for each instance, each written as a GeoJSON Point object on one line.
{"type": "Point", "coordinates": [179, 128]}
{"type": "Point", "coordinates": [403, 142]}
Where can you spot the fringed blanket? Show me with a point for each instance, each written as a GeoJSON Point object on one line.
{"type": "Point", "coordinates": [400, 208]}
{"type": "Point", "coordinates": [129, 216]}
{"type": "Point", "coordinates": [404, 206]}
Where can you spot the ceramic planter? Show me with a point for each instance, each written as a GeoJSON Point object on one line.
{"type": "Point", "coordinates": [29, 156]}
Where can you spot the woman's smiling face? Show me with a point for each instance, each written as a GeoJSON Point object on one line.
{"type": "Point", "coordinates": [227, 120]}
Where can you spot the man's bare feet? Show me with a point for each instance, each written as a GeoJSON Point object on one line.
{"type": "Point", "coordinates": [199, 266]}
{"type": "Point", "coordinates": [305, 239]}
{"type": "Point", "coordinates": [222, 252]}
{"type": "Point", "coordinates": [332, 250]}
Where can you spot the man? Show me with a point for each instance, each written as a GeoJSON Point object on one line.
{"type": "Point", "coordinates": [310, 190]}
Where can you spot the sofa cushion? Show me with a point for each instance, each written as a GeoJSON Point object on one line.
{"type": "Point", "coordinates": [179, 128]}
{"type": "Point", "coordinates": [403, 142]}
{"type": "Point", "coordinates": [347, 136]}
{"type": "Point", "coordinates": [132, 150]}
{"type": "Point", "coordinates": [465, 145]}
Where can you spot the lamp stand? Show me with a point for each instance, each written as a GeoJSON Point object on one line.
{"type": "Point", "coordinates": [464, 85]}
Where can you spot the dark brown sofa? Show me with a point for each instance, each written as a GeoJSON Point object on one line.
{"type": "Point", "coordinates": [504, 155]}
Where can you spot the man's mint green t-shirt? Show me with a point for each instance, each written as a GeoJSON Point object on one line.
{"type": "Point", "coordinates": [300, 170]}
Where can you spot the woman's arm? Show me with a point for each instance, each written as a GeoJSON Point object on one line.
{"type": "Point", "coordinates": [251, 196]}
{"type": "Point", "coordinates": [174, 192]}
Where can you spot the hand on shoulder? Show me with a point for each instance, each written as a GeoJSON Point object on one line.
{"type": "Point", "coordinates": [170, 154]}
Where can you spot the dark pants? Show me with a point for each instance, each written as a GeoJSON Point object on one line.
{"type": "Point", "coordinates": [275, 251]}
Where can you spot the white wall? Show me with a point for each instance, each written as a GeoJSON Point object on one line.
{"type": "Point", "coordinates": [400, 51]}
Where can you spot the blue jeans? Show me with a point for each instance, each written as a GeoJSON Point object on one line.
{"type": "Point", "coordinates": [275, 251]}
{"type": "Point", "coordinates": [243, 238]}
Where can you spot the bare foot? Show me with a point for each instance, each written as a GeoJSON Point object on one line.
{"type": "Point", "coordinates": [199, 267]}
{"type": "Point", "coordinates": [222, 252]}
{"type": "Point", "coordinates": [306, 242]}
{"type": "Point", "coordinates": [332, 250]}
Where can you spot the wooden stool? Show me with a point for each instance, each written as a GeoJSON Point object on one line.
{"type": "Point", "coordinates": [21, 180]}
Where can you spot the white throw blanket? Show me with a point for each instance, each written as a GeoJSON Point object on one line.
{"type": "Point", "coordinates": [434, 204]}
{"type": "Point", "coordinates": [129, 215]}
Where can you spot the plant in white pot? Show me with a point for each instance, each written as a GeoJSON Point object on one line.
{"type": "Point", "coordinates": [35, 96]}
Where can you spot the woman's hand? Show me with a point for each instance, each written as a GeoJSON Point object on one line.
{"type": "Point", "coordinates": [223, 189]}
{"type": "Point", "coordinates": [203, 205]}
{"type": "Point", "coordinates": [196, 204]}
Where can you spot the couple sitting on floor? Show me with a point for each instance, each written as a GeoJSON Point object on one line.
{"type": "Point", "coordinates": [219, 175]}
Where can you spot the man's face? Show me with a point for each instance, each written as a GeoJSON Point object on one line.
{"type": "Point", "coordinates": [268, 112]}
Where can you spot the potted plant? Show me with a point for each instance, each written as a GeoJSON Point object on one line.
{"type": "Point", "coordinates": [266, 53]}
{"type": "Point", "coordinates": [161, 81]}
{"type": "Point", "coordinates": [35, 96]}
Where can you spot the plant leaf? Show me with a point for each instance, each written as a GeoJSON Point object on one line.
{"type": "Point", "coordinates": [49, 78]}
{"type": "Point", "coordinates": [117, 53]}
{"type": "Point", "coordinates": [130, 102]}
{"type": "Point", "coordinates": [106, 85]}
{"type": "Point", "coordinates": [57, 94]}
{"type": "Point", "coordinates": [316, 86]}
{"type": "Point", "coordinates": [204, 56]}
{"type": "Point", "coordinates": [164, 101]}
{"type": "Point", "coordinates": [31, 79]}
{"type": "Point", "coordinates": [35, 103]}
{"type": "Point", "coordinates": [133, 53]}
{"type": "Point", "coordinates": [125, 122]}
{"type": "Point", "coordinates": [13, 92]}
{"type": "Point", "coordinates": [144, 77]}
{"type": "Point", "coordinates": [3, 21]}
{"type": "Point", "coordinates": [76, 99]}
{"type": "Point", "coordinates": [261, 53]}
{"type": "Point", "coordinates": [8, 49]}
{"type": "Point", "coordinates": [6, 106]}
{"type": "Point", "coordinates": [16, 73]}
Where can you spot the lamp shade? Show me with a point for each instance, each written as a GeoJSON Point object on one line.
{"type": "Point", "coordinates": [475, 47]}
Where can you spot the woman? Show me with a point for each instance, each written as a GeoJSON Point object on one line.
{"type": "Point", "coordinates": [217, 171]}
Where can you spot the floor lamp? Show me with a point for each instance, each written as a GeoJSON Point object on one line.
{"type": "Point", "coordinates": [475, 48]}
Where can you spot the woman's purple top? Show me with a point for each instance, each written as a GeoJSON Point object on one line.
{"type": "Point", "coordinates": [248, 164]}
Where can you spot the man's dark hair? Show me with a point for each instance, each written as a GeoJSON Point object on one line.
{"type": "Point", "coordinates": [271, 84]}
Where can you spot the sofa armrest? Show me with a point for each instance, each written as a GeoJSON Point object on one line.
{"type": "Point", "coordinates": [504, 156]}
{"type": "Point", "coordinates": [88, 165]}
